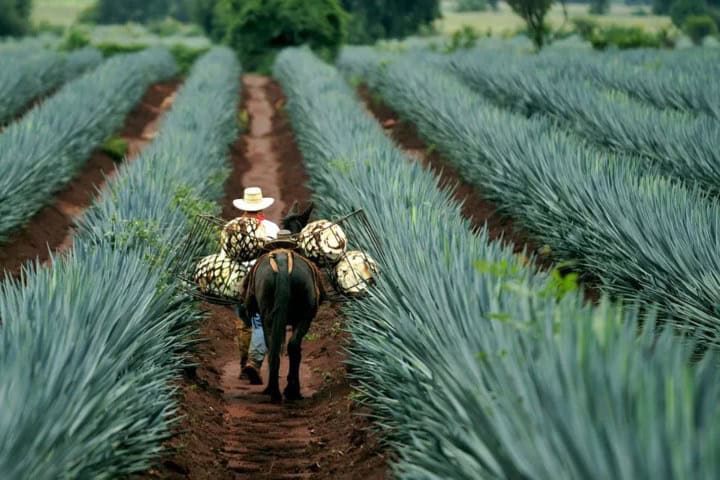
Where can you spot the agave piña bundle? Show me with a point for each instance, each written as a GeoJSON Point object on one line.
{"type": "Point", "coordinates": [323, 241]}
{"type": "Point", "coordinates": [242, 239]}
{"type": "Point", "coordinates": [354, 272]}
{"type": "Point", "coordinates": [220, 276]}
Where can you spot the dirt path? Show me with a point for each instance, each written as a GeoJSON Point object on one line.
{"type": "Point", "coordinates": [50, 230]}
{"type": "Point", "coordinates": [230, 430]}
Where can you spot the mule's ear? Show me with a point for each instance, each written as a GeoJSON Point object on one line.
{"type": "Point", "coordinates": [305, 215]}
{"type": "Point", "coordinates": [293, 209]}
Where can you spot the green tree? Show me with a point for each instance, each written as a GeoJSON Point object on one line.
{"type": "Point", "coordinates": [533, 12]}
{"type": "Point", "coordinates": [661, 7]}
{"type": "Point", "coordinates": [471, 5]}
{"type": "Point", "coordinates": [258, 29]}
{"type": "Point", "coordinates": [141, 11]}
{"type": "Point", "coordinates": [697, 27]}
{"type": "Point", "coordinates": [377, 19]}
{"type": "Point", "coordinates": [202, 13]}
{"type": "Point", "coordinates": [599, 7]}
{"type": "Point", "coordinates": [14, 17]}
{"type": "Point", "coordinates": [682, 9]}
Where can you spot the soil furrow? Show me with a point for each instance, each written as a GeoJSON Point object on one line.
{"type": "Point", "coordinates": [50, 230]}
{"type": "Point", "coordinates": [229, 429]}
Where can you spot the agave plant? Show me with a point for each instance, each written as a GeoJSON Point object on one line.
{"type": "Point", "coordinates": [89, 345]}
{"type": "Point", "coordinates": [43, 151]}
{"type": "Point", "coordinates": [482, 372]}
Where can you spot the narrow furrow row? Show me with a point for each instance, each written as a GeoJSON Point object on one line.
{"type": "Point", "coordinates": [477, 366]}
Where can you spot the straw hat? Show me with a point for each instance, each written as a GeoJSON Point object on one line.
{"type": "Point", "coordinates": [253, 200]}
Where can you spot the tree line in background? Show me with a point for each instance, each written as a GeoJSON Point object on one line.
{"type": "Point", "coordinates": [257, 29]}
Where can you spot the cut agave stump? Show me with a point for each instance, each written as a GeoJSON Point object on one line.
{"type": "Point", "coordinates": [355, 273]}
{"type": "Point", "coordinates": [351, 272]}
{"type": "Point", "coordinates": [243, 239]}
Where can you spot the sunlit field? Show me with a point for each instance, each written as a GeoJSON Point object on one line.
{"type": "Point", "coordinates": [505, 20]}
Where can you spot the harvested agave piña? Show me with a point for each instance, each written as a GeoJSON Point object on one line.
{"type": "Point", "coordinates": [323, 241]}
{"type": "Point", "coordinates": [220, 276]}
{"type": "Point", "coordinates": [354, 272]}
{"type": "Point", "coordinates": [242, 239]}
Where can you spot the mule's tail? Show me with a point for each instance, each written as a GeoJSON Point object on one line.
{"type": "Point", "coordinates": [278, 314]}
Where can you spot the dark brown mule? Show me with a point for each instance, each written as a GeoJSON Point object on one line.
{"type": "Point", "coordinates": [285, 288]}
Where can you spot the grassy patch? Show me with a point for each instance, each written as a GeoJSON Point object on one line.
{"type": "Point", "coordinates": [58, 12]}
{"type": "Point", "coordinates": [115, 147]}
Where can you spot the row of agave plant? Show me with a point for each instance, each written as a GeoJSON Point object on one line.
{"type": "Point", "coordinates": [43, 151]}
{"type": "Point", "coordinates": [642, 235]}
{"type": "Point", "coordinates": [663, 80]}
{"type": "Point", "coordinates": [474, 364]}
{"type": "Point", "coordinates": [89, 346]}
{"type": "Point", "coordinates": [682, 144]}
{"type": "Point", "coordinates": [28, 74]}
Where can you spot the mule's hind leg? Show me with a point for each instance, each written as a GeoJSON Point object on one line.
{"type": "Point", "coordinates": [275, 343]}
{"type": "Point", "coordinates": [292, 391]}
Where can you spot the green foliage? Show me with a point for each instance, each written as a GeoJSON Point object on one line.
{"type": "Point", "coordinates": [15, 17]}
{"type": "Point", "coordinates": [184, 56]}
{"type": "Point", "coordinates": [166, 27]}
{"type": "Point", "coordinates": [75, 38]}
{"type": "Point", "coordinates": [624, 38]}
{"type": "Point", "coordinates": [258, 29]}
{"type": "Point", "coordinates": [115, 147]}
{"type": "Point", "coordinates": [46, 27]}
{"type": "Point", "coordinates": [681, 9]}
{"type": "Point", "coordinates": [471, 5]}
{"type": "Point", "coordinates": [585, 26]}
{"type": "Point", "coordinates": [462, 39]}
{"type": "Point", "coordinates": [662, 7]}
{"type": "Point", "coordinates": [109, 49]}
{"type": "Point", "coordinates": [140, 11]}
{"type": "Point", "coordinates": [697, 27]}
{"type": "Point", "coordinates": [599, 7]}
{"type": "Point", "coordinates": [378, 19]}
{"type": "Point", "coordinates": [533, 12]}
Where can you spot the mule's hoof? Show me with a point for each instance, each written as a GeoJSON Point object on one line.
{"type": "Point", "coordinates": [252, 375]}
{"type": "Point", "coordinates": [276, 398]}
{"type": "Point", "coordinates": [293, 396]}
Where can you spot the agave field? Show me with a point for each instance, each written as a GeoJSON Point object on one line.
{"type": "Point", "coordinates": [476, 372]}
{"type": "Point", "coordinates": [473, 361]}
{"type": "Point", "coordinates": [106, 360]}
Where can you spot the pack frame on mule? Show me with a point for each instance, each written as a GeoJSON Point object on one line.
{"type": "Point", "coordinates": [200, 241]}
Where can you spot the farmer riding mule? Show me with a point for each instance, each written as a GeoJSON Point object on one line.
{"type": "Point", "coordinates": [284, 288]}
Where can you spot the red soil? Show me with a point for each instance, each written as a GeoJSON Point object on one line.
{"type": "Point", "coordinates": [229, 430]}
{"type": "Point", "coordinates": [50, 229]}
